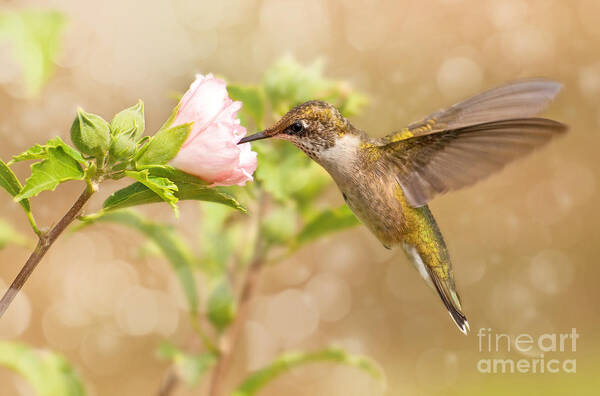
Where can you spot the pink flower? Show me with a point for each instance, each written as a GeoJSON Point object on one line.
{"type": "Point", "coordinates": [211, 151]}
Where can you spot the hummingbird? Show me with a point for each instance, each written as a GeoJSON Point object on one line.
{"type": "Point", "coordinates": [387, 182]}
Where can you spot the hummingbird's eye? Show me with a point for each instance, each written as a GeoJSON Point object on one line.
{"type": "Point", "coordinates": [296, 127]}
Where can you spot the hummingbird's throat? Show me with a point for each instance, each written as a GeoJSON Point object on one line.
{"type": "Point", "coordinates": [341, 156]}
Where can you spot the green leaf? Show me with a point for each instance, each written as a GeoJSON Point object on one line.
{"type": "Point", "coordinates": [58, 142]}
{"type": "Point", "coordinates": [148, 249]}
{"type": "Point", "coordinates": [57, 168]}
{"type": "Point", "coordinates": [352, 103]}
{"type": "Point", "coordinates": [35, 38]}
{"type": "Point", "coordinates": [175, 174]}
{"type": "Point", "coordinates": [171, 244]}
{"type": "Point", "coordinates": [8, 235]}
{"type": "Point", "coordinates": [279, 225]}
{"type": "Point", "coordinates": [33, 153]}
{"type": "Point", "coordinates": [189, 367]}
{"type": "Point", "coordinates": [10, 183]}
{"type": "Point", "coordinates": [161, 186]}
{"type": "Point", "coordinates": [214, 194]}
{"type": "Point", "coordinates": [41, 151]}
{"type": "Point", "coordinates": [288, 174]}
{"type": "Point", "coordinates": [90, 134]}
{"type": "Point", "coordinates": [221, 304]}
{"type": "Point", "coordinates": [164, 145]}
{"type": "Point", "coordinates": [253, 100]}
{"type": "Point", "coordinates": [215, 236]}
{"type": "Point", "coordinates": [130, 120]}
{"type": "Point", "coordinates": [257, 380]}
{"type": "Point", "coordinates": [188, 188]}
{"type": "Point", "coordinates": [288, 83]}
{"type": "Point", "coordinates": [326, 222]}
{"type": "Point", "coordinates": [48, 373]}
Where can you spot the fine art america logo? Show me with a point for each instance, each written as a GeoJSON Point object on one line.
{"type": "Point", "coordinates": [545, 353]}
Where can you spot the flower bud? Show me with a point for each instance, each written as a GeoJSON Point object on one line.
{"type": "Point", "coordinates": [130, 121]}
{"type": "Point", "coordinates": [90, 134]}
{"type": "Point", "coordinates": [123, 145]}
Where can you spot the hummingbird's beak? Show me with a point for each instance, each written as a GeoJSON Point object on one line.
{"type": "Point", "coordinates": [256, 136]}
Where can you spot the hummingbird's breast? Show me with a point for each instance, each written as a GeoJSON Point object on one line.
{"type": "Point", "coordinates": [368, 186]}
{"type": "Point", "coordinates": [373, 197]}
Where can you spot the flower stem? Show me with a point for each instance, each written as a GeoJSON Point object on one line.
{"type": "Point", "coordinates": [169, 383]}
{"type": "Point", "coordinates": [46, 239]}
{"type": "Point", "coordinates": [197, 326]}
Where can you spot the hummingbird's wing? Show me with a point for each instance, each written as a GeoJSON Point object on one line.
{"type": "Point", "coordinates": [471, 140]}
{"type": "Point", "coordinates": [519, 99]}
{"type": "Point", "coordinates": [433, 164]}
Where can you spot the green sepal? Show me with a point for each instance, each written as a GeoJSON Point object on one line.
{"type": "Point", "coordinates": [122, 146]}
{"type": "Point", "coordinates": [130, 121]}
{"type": "Point", "coordinates": [90, 133]}
{"type": "Point", "coordinates": [171, 118]}
{"type": "Point", "coordinates": [126, 128]}
{"type": "Point", "coordinates": [163, 146]}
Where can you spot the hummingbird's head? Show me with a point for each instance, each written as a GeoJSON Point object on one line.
{"type": "Point", "coordinates": [312, 126]}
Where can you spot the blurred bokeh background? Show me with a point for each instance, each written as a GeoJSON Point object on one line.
{"type": "Point", "coordinates": [524, 243]}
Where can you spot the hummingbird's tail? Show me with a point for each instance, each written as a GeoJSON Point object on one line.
{"type": "Point", "coordinates": [425, 247]}
{"type": "Point", "coordinates": [439, 277]}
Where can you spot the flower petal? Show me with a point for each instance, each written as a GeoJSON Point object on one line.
{"type": "Point", "coordinates": [211, 151]}
{"type": "Point", "coordinates": [244, 170]}
{"type": "Point", "coordinates": [212, 155]}
{"type": "Point", "coordinates": [203, 103]}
